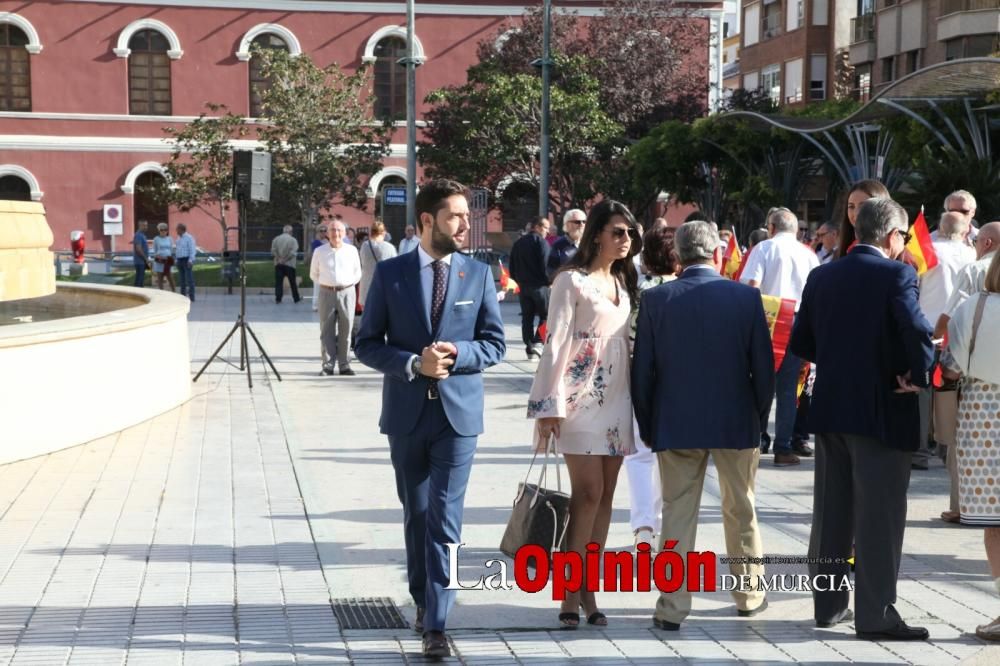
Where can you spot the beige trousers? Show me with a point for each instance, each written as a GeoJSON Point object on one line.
{"type": "Point", "coordinates": [682, 475]}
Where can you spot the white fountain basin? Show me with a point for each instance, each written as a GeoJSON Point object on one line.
{"type": "Point", "coordinates": [93, 360]}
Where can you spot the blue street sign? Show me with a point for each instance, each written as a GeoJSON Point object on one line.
{"type": "Point", "coordinates": [394, 196]}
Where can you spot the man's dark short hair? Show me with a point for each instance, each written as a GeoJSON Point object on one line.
{"type": "Point", "coordinates": [539, 221]}
{"type": "Point", "coordinates": [432, 196]}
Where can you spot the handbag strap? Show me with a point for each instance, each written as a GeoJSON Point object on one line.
{"type": "Point", "coordinates": [542, 475]}
{"type": "Point", "coordinates": [976, 320]}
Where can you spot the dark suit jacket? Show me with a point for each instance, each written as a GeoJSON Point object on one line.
{"type": "Point", "coordinates": [396, 325]}
{"type": "Point", "coordinates": [860, 323]}
{"type": "Point", "coordinates": [703, 369]}
{"type": "Point", "coordinates": [529, 261]}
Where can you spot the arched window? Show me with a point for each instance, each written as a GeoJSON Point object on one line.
{"type": "Point", "coordinates": [146, 204]}
{"type": "Point", "coordinates": [258, 83]}
{"type": "Point", "coordinates": [15, 70]}
{"type": "Point", "coordinates": [13, 188]}
{"type": "Point", "coordinates": [390, 79]}
{"type": "Point", "coordinates": [149, 74]}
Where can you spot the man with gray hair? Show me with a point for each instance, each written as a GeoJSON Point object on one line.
{"type": "Point", "coordinates": [410, 242]}
{"type": "Point", "coordinates": [860, 323]}
{"type": "Point", "coordinates": [284, 249]}
{"type": "Point", "coordinates": [963, 203]}
{"type": "Point", "coordinates": [703, 335]}
{"type": "Point", "coordinates": [566, 245]}
{"type": "Point", "coordinates": [779, 267]}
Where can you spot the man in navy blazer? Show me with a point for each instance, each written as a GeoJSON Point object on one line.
{"type": "Point", "coordinates": [702, 385]}
{"type": "Point", "coordinates": [861, 324]}
{"type": "Point", "coordinates": [431, 326]}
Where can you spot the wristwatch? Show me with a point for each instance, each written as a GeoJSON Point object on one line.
{"type": "Point", "coordinates": [416, 365]}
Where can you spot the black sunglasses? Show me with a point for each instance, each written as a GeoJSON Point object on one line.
{"type": "Point", "coordinates": [906, 235]}
{"type": "Point", "coordinates": [620, 233]}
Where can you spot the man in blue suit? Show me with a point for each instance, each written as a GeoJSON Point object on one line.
{"type": "Point", "coordinates": [431, 326]}
{"type": "Point", "coordinates": [702, 384]}
{"type": "Point", "coordinates": [861, 324]}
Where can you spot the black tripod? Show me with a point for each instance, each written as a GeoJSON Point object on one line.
{"type": "Point", "coordinates": [241, 319]}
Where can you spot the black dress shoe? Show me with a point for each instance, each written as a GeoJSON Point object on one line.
{"type": "Point", "coordinates": [901, 632]}
{"type": "Point", "coordinates": [802, 449]}
{"type": "Point", "coordinates": [418, 624]}
{"type": "Point", "coordinates": [327, 370]}
{"type": "Point", "coordinates": [436, 645]}
{"type": "Point", "coordinates": [845, 615]}
{"type": "Point", "coordinates": [347, 372]}
{"type": "Point", "coordinates": [666, 626]}
{"type": "Point", "coordinates": [753, 611]}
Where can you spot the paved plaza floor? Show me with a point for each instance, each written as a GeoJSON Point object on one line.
{"type": "Point", "coordinates": [226, 531]}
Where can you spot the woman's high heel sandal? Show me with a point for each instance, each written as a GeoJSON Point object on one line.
{"type": "Point", "coordinates": [569, 620]}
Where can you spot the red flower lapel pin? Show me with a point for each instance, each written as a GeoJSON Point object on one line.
{"type": "Point", "coordinates": [461, 274]}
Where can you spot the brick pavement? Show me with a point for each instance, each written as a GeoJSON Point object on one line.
{"type": "Point", "coordinates": [219, 532]}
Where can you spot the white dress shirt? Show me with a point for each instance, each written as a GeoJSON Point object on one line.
{"type": "Point", "coordinates": [969, 280]}
{"type": "Point", "coordinates": [185, 248]}
{"type": "Point", "coordinates": [408, 244]}
{"type": "Point", "coordinates": [780, 266]}
{"type": "Point", "coordinates": [340, 267]}
{"type": "Point", "coordinates": [937, 284]}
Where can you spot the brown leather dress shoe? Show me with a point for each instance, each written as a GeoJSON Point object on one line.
{"type": "Point", "coordinates": [785, 459]}
{"type": "Point", "coordinates": [436, 645]}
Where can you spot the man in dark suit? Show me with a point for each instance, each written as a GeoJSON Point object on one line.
{"type": "Point", "coordinates": [431, 326]}
{"type": "Point", "coordinates": [698, 336]}
{"type": "Point", "coordinates": [861, 324]}
{"type": "Point", "coordinates": [529, 267]}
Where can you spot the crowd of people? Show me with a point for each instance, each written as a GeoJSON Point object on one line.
{"type": "Point", "coordinates": [635, 332]}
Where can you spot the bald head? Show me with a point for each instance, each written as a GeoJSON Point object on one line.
{"type": "Point", "coordinates": [953, 226]}
{"type": "Point", "coordinates": [988, 239]}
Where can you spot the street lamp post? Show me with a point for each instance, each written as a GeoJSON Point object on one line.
{"type": "Point", "coordinates": [410, 62]}
{"type": "Point", "coordinates": [545, 63]}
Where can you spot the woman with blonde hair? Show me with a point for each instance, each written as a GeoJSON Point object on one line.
{"type": "Point", "coordinates": [163, 256]}
{"type": "Point", "coordinates": [974, 355]}
{"type": "Point", "coordinates": [580, 395]}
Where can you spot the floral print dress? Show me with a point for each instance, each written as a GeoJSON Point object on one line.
{"type": "Point", "coordinates": [583, 375]}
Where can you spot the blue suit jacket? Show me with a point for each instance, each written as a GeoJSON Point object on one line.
{"type": "Point", "coordinates": [703, 369]}
{"type": "Point", "coordinates": [860, 323]}
{"type": "Point", "coordinates": [396, 326]}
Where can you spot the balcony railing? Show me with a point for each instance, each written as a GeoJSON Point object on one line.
{"type": "Point", "coordinates": [863, 28]}
{"type": "Point", "coordinates": [955, 6]}
{"type": "Point", "coordinates": [771, 25]}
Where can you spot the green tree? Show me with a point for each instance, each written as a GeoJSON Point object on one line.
{"type": "Point", "coordinates": [200, 171]}
{"type": "Point", "coordinates": [323, 142]}
{"type": "Point", "coordinates": [488, 129]}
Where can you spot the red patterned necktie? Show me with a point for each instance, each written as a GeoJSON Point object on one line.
{"type": "Point", "coordinates": [437, 295]}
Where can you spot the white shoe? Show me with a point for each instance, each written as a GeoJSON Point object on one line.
{"type": "Point", "coordinates": [645, 535]}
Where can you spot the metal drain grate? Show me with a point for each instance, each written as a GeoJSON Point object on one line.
{"type": "Point", "coordinates": [368, 613]}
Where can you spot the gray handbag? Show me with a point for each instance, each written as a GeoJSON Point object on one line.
{"type": "Point", "coordinates": [540, 516]}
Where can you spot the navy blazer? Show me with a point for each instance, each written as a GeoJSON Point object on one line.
{"type": "Point", "coordinates": [396, 325]}
{"type": "Point", "coordinates": [703, 368]}
{"type": "Point", "coordinates": [861, 324]}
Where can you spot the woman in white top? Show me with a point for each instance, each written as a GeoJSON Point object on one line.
{"type": "Point", "coordinates": [974, 354]}
{"type": "Point", "coordinates": [372, 251]}
{"type": "Point", "coordinates": [163, 256]}
{"type": "Point", "coordinates": [660, 264]}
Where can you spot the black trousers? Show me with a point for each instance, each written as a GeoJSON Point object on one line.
{"type": "Point", "coordinates": [281, 271]}
{"type": "Point", "coordinates": [859, 496]}
{"type": "Point", "coordinates": [534, 303]}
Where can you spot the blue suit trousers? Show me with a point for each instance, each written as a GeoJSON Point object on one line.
{"type": "Point", "coordinates": [432, 466]}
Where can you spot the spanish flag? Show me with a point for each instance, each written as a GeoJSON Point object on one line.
{"type": "Point", "coordinates": [506, 283]}
{"type": "Point", "coordinates": [732, 258]}
{"type": "Point", "coordinates": [780, 314]}
{"type": "Point", "coordinates": [920, 246]}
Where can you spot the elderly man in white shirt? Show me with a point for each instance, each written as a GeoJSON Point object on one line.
{"type": "Point", "coordinates": [336, 268]}
{"type": "Point", "coordinates": [185, 251]}
{"type": "Point", "coordinates": [779, 267]}
{"type": "Point", "coordinates": [411, 241]}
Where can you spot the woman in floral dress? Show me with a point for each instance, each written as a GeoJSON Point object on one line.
{"type": "Point", "coordinates": [581, 390]}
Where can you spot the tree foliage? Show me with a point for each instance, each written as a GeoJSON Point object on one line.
{"type": "Point", "coordinates": [319, 131]}
{"type": "Point", "coordinates": [200, 171]}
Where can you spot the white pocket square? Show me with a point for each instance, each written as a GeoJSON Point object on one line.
{"type": "Point", "coordinates": [464, 303]}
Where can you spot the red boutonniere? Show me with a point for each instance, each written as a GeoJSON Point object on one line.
{"type": "Point", "coordinates": [461, 274]}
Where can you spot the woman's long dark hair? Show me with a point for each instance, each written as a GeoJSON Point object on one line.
{"type": "Point", "coordinates": [872, 188]}
{"type": "Point", "coordinates": [622, 269]}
